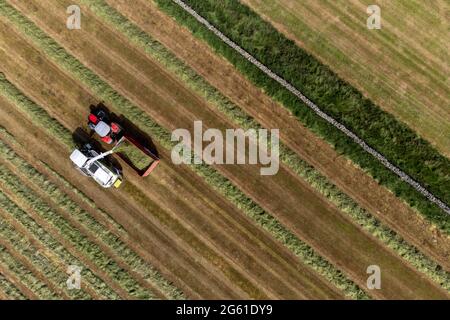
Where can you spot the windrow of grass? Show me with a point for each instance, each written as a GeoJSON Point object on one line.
{"type": "Point", "coordinates": [55, 247]}
{"type": "Point", "coordinates": [79, 241]}
{"type": "Point", "coordinates": [379, 129]}
{"type": "Point", "coordinates": [215, 98]}
{"type": "Point", "coordinates": [10, 290]}
{"type": "Point", "coordinates": [42, 264]}
{"type": "Point", "coordinates": [10, 139]}
{"type": "Point", "coordinates": [84, 198]}
{"type": "Point", "coordinates": [136, 263]}
{"type": "Point", "coordinates": [106, 93]}
{"type": "Point", "coordinates": [27, 278]}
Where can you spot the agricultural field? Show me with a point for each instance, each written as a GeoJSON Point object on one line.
{"type": "Point", "coordinates": [404, 68]}
{"type": "Point", "coordinates": [200, 230]}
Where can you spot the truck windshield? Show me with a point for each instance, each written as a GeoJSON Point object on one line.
{"type": "Point", "coordinates": [93, 168]}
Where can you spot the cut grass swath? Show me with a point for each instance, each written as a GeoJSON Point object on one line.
{"type": "Point", "coordinates": [77, 239]}
{"type": "Point", "coordinates": [10, 290]}
{"type": "Point", "coordinates": [54, 246]}
{"type": "Point", "coordinates": [143, 269]}
{"type": "Point", "coordinates": [42, 264]}
{"type": "Point", "coordinates": [26, 276]}
{"type": "Point", "coordinates": [141, 119]}
{"type": "Point", "coordinates": [361, 216]}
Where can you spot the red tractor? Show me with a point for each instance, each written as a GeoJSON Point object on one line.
{"type": "Point", "coordinates": [143, 160]}
{"type": "Point", "coordinates": [109, 132]}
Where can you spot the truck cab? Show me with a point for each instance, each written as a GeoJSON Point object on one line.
{"type": "Point", "coordinates": [92, 164]}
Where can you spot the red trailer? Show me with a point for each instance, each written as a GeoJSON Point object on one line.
{"type": "Point", "coordinates": [138, 157]}
{"type": "Point", "coordinates": [129, 149]}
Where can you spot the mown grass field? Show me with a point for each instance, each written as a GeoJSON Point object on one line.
{"type": "Point", "coordinates": [379, 129]}
{"type": "Point", "coordinates": [403, 67]}
{"type": "Point", "coordinates": [191, 231]}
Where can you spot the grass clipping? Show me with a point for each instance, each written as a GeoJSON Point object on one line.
{"type": "Point", "coordinates": [133, 155]}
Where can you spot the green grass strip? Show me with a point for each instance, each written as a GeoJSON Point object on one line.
{"type": "Point", "coordinates": [26, 277]}
{"type": "Point", "coordinates": [10, 290]}
{"type": "Point", "coordinates": [106, 93]}
{"type": "Point", "coordinates": [57, 248]}
{"type": "Point", "coordinates": [198, 84]}
{"type": "Point", "coordinates": [43, 265]}
{"type": "Point", "coordinates": [379, 129]}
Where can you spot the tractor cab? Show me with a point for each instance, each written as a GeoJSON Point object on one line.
{"type": "Point", "coordinates": [108, 131]}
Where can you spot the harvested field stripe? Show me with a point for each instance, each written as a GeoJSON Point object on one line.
{"type": "Point", "coordinates": [143, 269]}
{"type": "Point", "coordinates": [55, 277]}
{"type": "Point", "coordinates": [403, 176]}
{"type": "Point", "coordinates": [288, 157]}
{"type": "Point", "coordinates": [133, 113]}
{"type": "Point", "coordinates": [10, 290]}
{"type": "Point", "coordinates": [45, 238]}
{"type": "Point", "coordinates": [79, 241]}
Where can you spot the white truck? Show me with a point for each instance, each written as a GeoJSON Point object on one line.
{"type": "Point", "coordinates": [92, 164]}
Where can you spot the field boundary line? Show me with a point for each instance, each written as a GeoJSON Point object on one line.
{"type": "Point", "coordinates": [403, 176]}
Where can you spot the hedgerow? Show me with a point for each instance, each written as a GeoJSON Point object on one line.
{"type": "Point", "coordinates": [238, 116]}
{"type": "Point", "coordinates": [339, 99]}
{"type": "Point", "coordinates": [106, 93]}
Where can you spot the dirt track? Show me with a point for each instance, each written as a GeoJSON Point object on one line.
{"type": "Point", "coordinates": [167, 97]}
